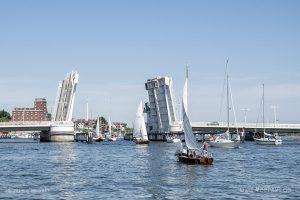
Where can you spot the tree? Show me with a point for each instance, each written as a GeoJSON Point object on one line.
{"type": "Point", "coordinates": [4, 116]}
{"type": "Point", "coordinates": [49, 116]}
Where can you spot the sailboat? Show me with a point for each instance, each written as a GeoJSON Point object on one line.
{"type": "Point", "coordinates": [98, 136]}
{"type": "Point", "coordinates": [267, 139]}
{"type": "Point", "coordinates": [224, 140]}
{"type": "Point", "coordinates": [110, 137]}
{"type": "Point", "coordinates": [139, 127]}
{"type": "Point", "coordinates": [189, 155]}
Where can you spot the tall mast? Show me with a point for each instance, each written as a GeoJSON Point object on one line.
{"type": "Point", "coordinates": [87, 111]}
{"type": "Point", "coordinates": [186, 78]}
{"type": "Point", "coordinates": [263, 99]}
{"type": "Point", "coordinates": [227, 95]}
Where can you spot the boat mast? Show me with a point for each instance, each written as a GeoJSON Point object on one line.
{"type": "Point", "coordinates": [227, 97]}
{"type": "Point", "coordinates": [263, 85]}
{"type": "Point", "coordinates": [186, 77]}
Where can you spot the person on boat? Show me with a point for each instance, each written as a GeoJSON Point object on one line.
{"type": "Point", "coordinates": [205, 149]}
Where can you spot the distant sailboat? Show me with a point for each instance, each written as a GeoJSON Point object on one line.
{"type": "Point", "coordinates": [267, 139]}
{"type": "Point", "coordinates": [110, 137]}
{"type": "Point", "coordinates": [139, 127]}
{"type": "Point", "coordinates": [98, 136]}
{"type": "Point", "coordinates": [189, 155]}
{"type": "Point", "coordinates": [224, 140]}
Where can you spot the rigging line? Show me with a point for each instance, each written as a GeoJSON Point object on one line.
{"type": "Point", "coordinates": [259, 112]}
{"type": "Point", "coordinates": [223, 92]}
{"type": "Point", "coordinates": [233, 108]}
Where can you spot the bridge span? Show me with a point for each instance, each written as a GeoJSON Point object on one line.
{"type": "Point", "coordinates": [213, 127]}
{"type": "Point", "coordinates": [25, 126]}
{"type": "Point", "coordinates": [61, 127]}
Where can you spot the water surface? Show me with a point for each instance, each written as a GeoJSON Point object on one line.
{"type": "Point", "coordinates": [123, 170]}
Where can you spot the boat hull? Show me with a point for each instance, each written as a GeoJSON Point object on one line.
{"type": "Point", "coordinates": [98, 139]}
{"type": "Point", "coordinates": [141, 141]}
{"type": "Point", "coordinates": [112, 139]}
{"type": "Point", "coordinates": [266, 141]}
{"type": "Point", "coordinates": [197, 160]}
{"type": "Point", "coordinates": [228, 144]}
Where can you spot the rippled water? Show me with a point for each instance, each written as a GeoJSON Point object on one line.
{"type": "Point", "coordinates": [123, 170]}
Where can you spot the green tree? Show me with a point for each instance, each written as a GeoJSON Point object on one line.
{"type": "Point", "coordinates": [4, 116]}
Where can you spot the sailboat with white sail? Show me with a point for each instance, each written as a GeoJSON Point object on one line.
{"type": "Point", "coordinates": [267, 139]}
{"type": "Point", "coordinates": [225, 140]}
{"type": "Point", "coordinates": [110, 136]}
{"type": "Point", "coordinates": [140, 135]}
{"type": "Point", "coordinates": [189, 154]}
{"type": "Point", "coordinates": [98, 136]}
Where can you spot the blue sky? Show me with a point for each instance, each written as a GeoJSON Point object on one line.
{"type": "Point", "coordinates": [117, 45]}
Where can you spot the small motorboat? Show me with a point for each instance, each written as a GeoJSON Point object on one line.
{"type": "Point", "coordinates": [172, 140]}
{"type": "Point", "coordinates": [176, 140]}
{"type": "Point", "coordinates": [112, 139]}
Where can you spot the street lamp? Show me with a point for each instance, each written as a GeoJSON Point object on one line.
{"type": "Point", "coordinates": [274, 107]}
{"type": "Point", "coordinates": [245, 113]}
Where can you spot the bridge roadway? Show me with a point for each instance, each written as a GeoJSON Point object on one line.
{"type": "Point", "coordinates": [207, 127]}
{"type": "Point", "coordinates": [29, 126]}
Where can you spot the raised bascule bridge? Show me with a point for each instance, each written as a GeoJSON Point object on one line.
{"type": "Point", "coordinates": [163, 116]}
{"type": "Point", "coordinates": [61, 126]}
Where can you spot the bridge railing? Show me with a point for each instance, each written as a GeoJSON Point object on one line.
{"type": "Point", "coordinates": [34, 123]}
{"type": "Point", "coordinates": [245, 125]}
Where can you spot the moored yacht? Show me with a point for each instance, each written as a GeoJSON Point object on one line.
{"type": "Point", "coordinates": [225, 140]}
{"type": "Point", "coordinates": [267, 139]}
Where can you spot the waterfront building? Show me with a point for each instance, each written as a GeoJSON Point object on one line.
{"type": "Point", "coordinates": [162, 112]}
{"type": "Point", "coordinates": [37, 113]}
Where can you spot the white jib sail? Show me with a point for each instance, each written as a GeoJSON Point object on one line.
{"type": "Point", "coordinates": [109, 126]}
{"type": "Point", "coordinates": [97, 128]}
{"type": "Point", "coordinates": [139, 129]}
{"type": "Point", "coordinates": [189, 137]}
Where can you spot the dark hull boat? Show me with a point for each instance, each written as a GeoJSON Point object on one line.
{"type": "Point", "coordinates": [200, 160]}
{"type": "Point", "coordinates": [140, 141]}
{"type": "Point", "coordinates": [100, 139]}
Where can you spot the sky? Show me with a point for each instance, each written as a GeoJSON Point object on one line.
{"type": "Point", "coordinates": [117, 45]}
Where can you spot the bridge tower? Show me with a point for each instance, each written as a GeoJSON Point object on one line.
{"type": "Point", "coordinates": [162, 113]}
{"type": "Point", "coordinates": [62, 127]}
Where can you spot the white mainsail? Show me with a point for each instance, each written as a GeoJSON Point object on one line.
{"type": "Point", "coordinates": [109, 126]}
{"type": "Point", "coordinates": [97, 128]}
{"type": "Point", "coordinates": [139, 127]}
{"type": "Point", "coordinates": [189, 137]}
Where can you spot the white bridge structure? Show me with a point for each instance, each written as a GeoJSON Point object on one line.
{"type": "Point", "coordinates": [162, 113]}
{"type": "Point", "coordinates": [213, 127]}
{"type": "Point", "coordinates": [61, 127]}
